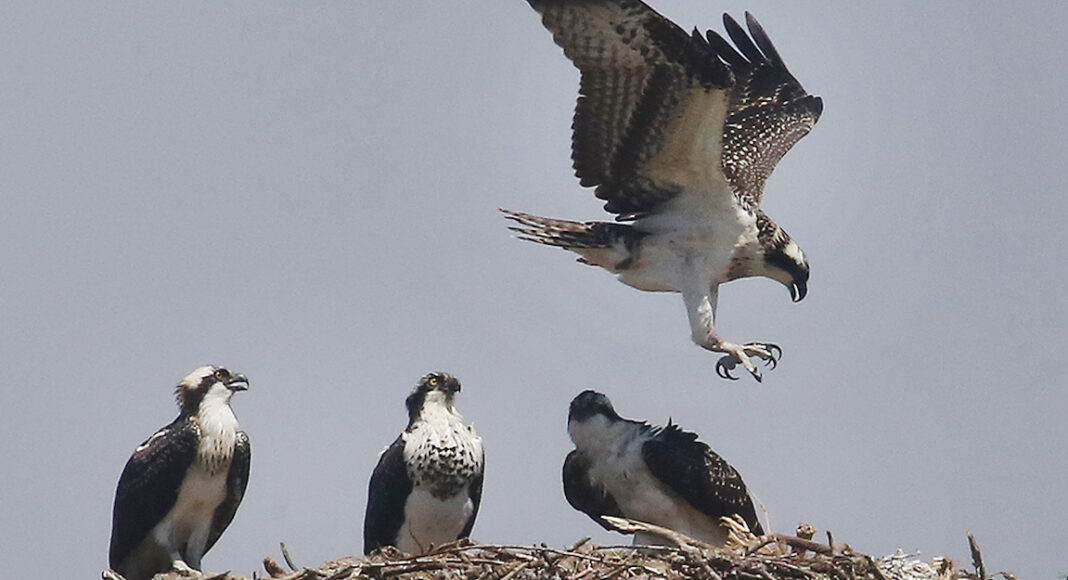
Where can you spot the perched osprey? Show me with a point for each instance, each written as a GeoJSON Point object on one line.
{"type": "Point", "coordinates": [678, 133]}
{"type": "Point", "coordinates": [181, 487]}
{"type": "Point", "coordinates": [658, 475]}
{"type": "Point", "coordinates": [427, 485]}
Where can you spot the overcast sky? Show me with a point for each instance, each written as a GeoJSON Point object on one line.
{"type": "Point", "coordinates": [307, 193]}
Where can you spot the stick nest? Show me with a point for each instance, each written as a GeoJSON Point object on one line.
{"type": "Point", "coordinates": [745, 557]}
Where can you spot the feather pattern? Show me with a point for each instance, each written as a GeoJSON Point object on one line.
{"type": "Point", "coordinates": [699, 475]}
{"type": "Point", "coordinates": [638, 72]}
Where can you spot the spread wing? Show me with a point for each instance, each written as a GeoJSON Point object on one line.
{"type": "Point", "coordinates": [387, 493]}
{"type": "Point", "coordinates": [657, 107]}
{"type": "Point", "coordinates": [638, 72]}
{"type": "Point", "coordinates": [769, 109]}
{"type": "Point", "coordinates": [699, 476]}
{"type": "Point", "coordinates": [148, 486]}
{"type": "Point", "coordinates": [236, 482]}
{"type": "Point", "coordinates": [585, 494]}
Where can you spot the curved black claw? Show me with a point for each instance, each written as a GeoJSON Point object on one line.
{"type": "Point", "coordinates": [724, 372]}
{"type": "Point", "coordinates": [756, 375]}
{"type": "Point", "coordinates": [774, 348]}
{"type": "Point", "coordinates": [773, 353]}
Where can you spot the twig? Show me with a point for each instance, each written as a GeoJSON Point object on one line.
{"type": "Point", "coordinates": [686, 543]}
{"type": "Point", "coordinates": [760, 570]}
{"type": "Point", "coordinates": [874, 568]}
{"type": "Point", "coordinates": [274, 569]}
{"type": "Point", "coordinates": [619, 570]}
{"type": "Point", "coordinates": [579, 544]}
{"type": "Point", "coordinates": [830, 569]}
{"type": "Point", "coordinates": [285, 555]}
{"type": "Point", "coordinates": [977, 557]}
{"type": "Point", "coordinates": [786, 569]}
{"type": "Point", "coordinates": [793, 542]}
{"type": "Point", "coordinates": [343, 573]}
{"type": "Point", "coordinates": [517, 569]}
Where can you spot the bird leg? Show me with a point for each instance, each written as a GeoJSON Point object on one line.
{"type": "Point", "coordinates": [701, 309]}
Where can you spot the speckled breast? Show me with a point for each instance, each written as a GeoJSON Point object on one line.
{"type": "Point", "coordinates": [442, 462]}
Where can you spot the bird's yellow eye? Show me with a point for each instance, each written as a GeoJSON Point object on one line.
{"type": "Point", "coordinates": [222, 374]}
{"type": "Point", "coordinates": [433, 382]}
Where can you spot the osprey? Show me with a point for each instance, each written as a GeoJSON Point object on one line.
{"type": "Point", "coordinates": [678, 134]}
{"type": "Point", "coordinates": [427, 485]}
{"type": "Point", "coordinates": [658, 475]}
{"type": "Point", "coordinates": [181, 487]}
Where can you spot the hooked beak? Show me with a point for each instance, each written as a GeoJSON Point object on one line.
{"type": "Point", "coordinates": [238, 382]}
{"type": "Point", "coordinates": [452, 386]}
{"type": "Point", "coordinates": [798, 290]}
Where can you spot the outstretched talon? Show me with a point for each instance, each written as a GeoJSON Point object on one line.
{"type": "Point", "coordinates": [725, 365]}
{"type": "Point", "coordinates": [741, 354]}
{"type": "Point", "coordinates": [772, 353]}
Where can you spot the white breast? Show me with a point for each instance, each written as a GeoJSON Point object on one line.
{"type": "Point", "coordinates": [191, 517]}
{"type": "Point", "coordinates": [432, 521]}
{"type": "Point", "coordinates": [687, 236]}
{"type": "Point", "coordinates": [218, 430]}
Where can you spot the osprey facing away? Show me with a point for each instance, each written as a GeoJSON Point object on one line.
{"type": "Point", "coordinates": [181, 488]}
{"type": "Point", "coordinates": [678, 134]}
{"type": "Point", "coordinates": [657, 475]}
{"type": "Point", "coordinates": [427, 486]}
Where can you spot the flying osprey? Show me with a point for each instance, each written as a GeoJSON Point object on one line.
{"type": "Point", "coordinates": [658, 475]}
{"type": "Point", "coordinates": [181, 487]}
{"type": "Point", "coordinates": [427, 485]}
{"type": "Point", "coordinates": [678, 133]}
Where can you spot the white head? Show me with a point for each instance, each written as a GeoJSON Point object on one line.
{"type": "Point", "coordinates": [592, 422]}
{"type": "Point", "coordinates": [209, 385]}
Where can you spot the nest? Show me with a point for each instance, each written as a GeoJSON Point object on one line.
{"type": "Point", "coordinates": [745, 557]}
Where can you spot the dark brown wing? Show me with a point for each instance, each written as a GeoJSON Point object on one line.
{"type": "Point", "coordinates": [148, 486]}
{"type": "Point", "coordinates": [586, 495]}
{"type": "Point", "coordinates": [475, 493]}
{"type": "Point", "coordinates": [699, 476]}
{"type": "Point", "coordinates": [236, 483]}
{"type": "Point", "coordinates": [387, 493]}
{"type": "Point", "coordinates": [636, 68]}
{"type": "Point", "coordinates": [769, 109]}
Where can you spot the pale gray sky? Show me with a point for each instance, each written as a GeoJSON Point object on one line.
{"type": "Point", "coordinates": [307, 193]}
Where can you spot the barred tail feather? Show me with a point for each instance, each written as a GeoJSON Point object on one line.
{"type": "Point", "coordinates": [604, 244]}
{"type": "Point", "coordinates": [560, 233]}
